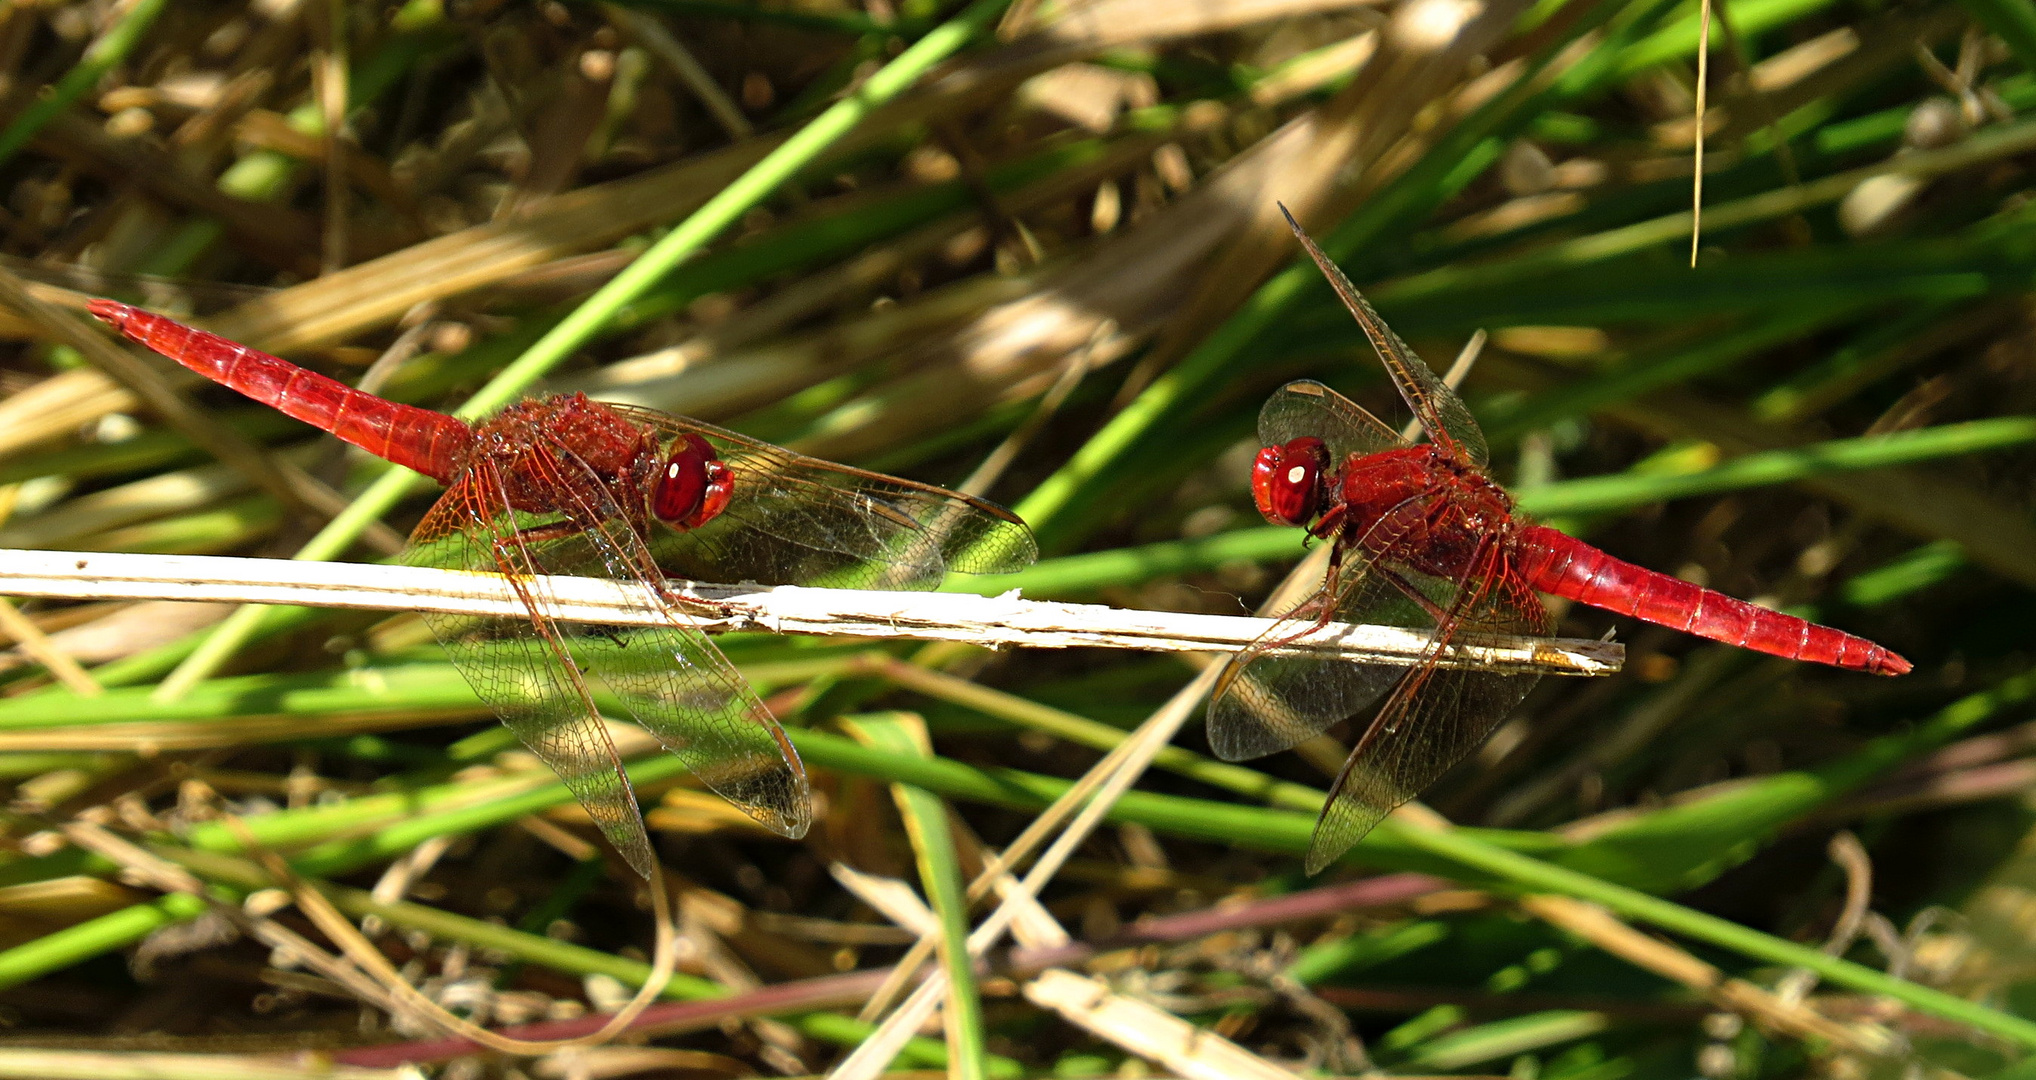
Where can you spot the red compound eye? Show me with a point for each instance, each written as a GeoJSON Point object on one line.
{"type": "Point", "coordinates": [693, 487]}
{"type": "Point", "coordinates": [1286, 480]}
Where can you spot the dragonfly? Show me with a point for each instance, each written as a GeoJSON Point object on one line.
{"type": "Point", "coordinates": [1420, 536]}
{"type": "Point", "coordinates": [570, 486]}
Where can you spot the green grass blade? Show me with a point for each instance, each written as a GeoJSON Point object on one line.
{"type": "Point", "coordinates": [1627, 490]}
{"type": "Point", "coordinates": [941, 876]}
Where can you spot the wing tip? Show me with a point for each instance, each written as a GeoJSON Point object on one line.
{"type": "Point", "coordinates": [793, 825]}
{"type": "Point", "coordinates": [643, 861]}
{"type": "Point", "coordinates": [1332, 842]}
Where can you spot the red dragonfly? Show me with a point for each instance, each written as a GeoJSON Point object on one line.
{"type": "Point", "coordinates": [570, 486]}
{"type": "Point", "coordinates": [1422, 537]}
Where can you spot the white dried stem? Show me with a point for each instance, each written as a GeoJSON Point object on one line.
{"type": "Point", "coordinates": [992, 621]}
{"type": "Point", "coordinates": [1147, 1030]}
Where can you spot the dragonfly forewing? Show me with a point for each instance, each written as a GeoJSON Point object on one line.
{"type": "Point", "coordinates": [1442, 414]}
{"type": "Point", "coordinates": [522, 667]}
{"type": "Point", "coordinates": [1434, 715]}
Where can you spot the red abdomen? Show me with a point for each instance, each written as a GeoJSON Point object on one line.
{"type": "Point", "coordinates": [1561, 564]}
{"type": "Point", "coordinates": [431, 443]}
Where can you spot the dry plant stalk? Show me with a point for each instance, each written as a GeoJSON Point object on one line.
{"type": "Point", "coordinates": [1601, 928]}
{"type": "Point", "coordinates": [1147, 1030]}
{"type": "Point", "coordinates": [362, 969]}
{"type": "Point", "coordinates": [993, 621]}
{"type": "Point", "coordinates": [44, 1064]}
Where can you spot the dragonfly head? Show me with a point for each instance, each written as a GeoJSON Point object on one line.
{"type": "Point", "coordinates": [694, 485]}
{"type": "Point", "coordinates": [1286, 481]}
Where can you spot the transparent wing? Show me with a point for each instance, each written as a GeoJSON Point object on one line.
{"type": "Point", "coordinates": [540, 675]}
{"type": "Point", "coordinates": [798, 520]}
{"type": "Point", "coordinates": [1441, 412]}
{"type": "Point", "coordinates": [1435, 715]}
{"type": "Point", "coordinates": [1265, 702]}
{"type": "Point", "coordinates": [1306, 407]}
{"type": "Point", "coordinates": [522, 667]}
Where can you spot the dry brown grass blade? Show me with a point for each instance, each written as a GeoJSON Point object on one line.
{"type": "Point", "coordinates": [1599, 927]}
{"type": "Point", "coordinates": [337, 306]}
{"type": "Point", "coordinates": [674, 378]}
{"type": "Point", "coordinates": [1697, 132]}
{"type": "Point", "coordinates": [659, 42]}
{"type": "Point", "coordinates": [558, 130]}
{"type": "Point", "coordinates": [1138, 279]}
{"type": "Point", "coordinates": [121, 630]}
{"type": "Point", "coordinates": [58, 406]}
{"type": "Point", "coordinates": [155, 737]}
{"type": "Point", "coordinates": [1887, 42]}
{"type": "Point", "coordinates": [395, 989]}
{"type": "Point", "coordinates": [272, 131]}
{"type": "Point", "coordinates": [1084, 29]}
{"type": "Point", "coordinates": [761, 374]}
{"type": "Point", "coordinates": [1147, 1030]}
{"type": "Point", "coordinates": [1424, 51]}
{"type": "Point", "coordinates": [33, 1063]}
{"type": "Point", "coordinates": [1134, 280]}
{"type": "Point", "coordinates": [36, 645]}
{"type": "Point", "coordinates": [1120, 22]}
{"type": "Point", "coordinates": [329, 86]}
{"type": "Point", "coordinates": [88, 517]}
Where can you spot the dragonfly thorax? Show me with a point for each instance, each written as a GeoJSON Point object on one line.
{"type": "Point", "coordinates": [536, 446]}
{"type": "Point", "coordinates": [1421, 500]}
{"type": "Point", "coordinates": [1372, 485]}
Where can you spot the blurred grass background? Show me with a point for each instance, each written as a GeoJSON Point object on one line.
{"type": "Point", "coordinates": [1830, 412]}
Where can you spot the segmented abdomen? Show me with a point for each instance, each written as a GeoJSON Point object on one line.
{"type": "Point", "coordinates": [431, 443]}
{"type": "Point", "coordinates": [1561, 564]}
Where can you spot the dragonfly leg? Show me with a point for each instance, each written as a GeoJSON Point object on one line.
{"type": "Point", "coordinates": [1329, 579]}
{"type": "Point", "coordinates": [1331, 521]}
{"type": "Point", "coordinates": [691, 605]}
{"type": "Point", "coordinates": [1322, 601]}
